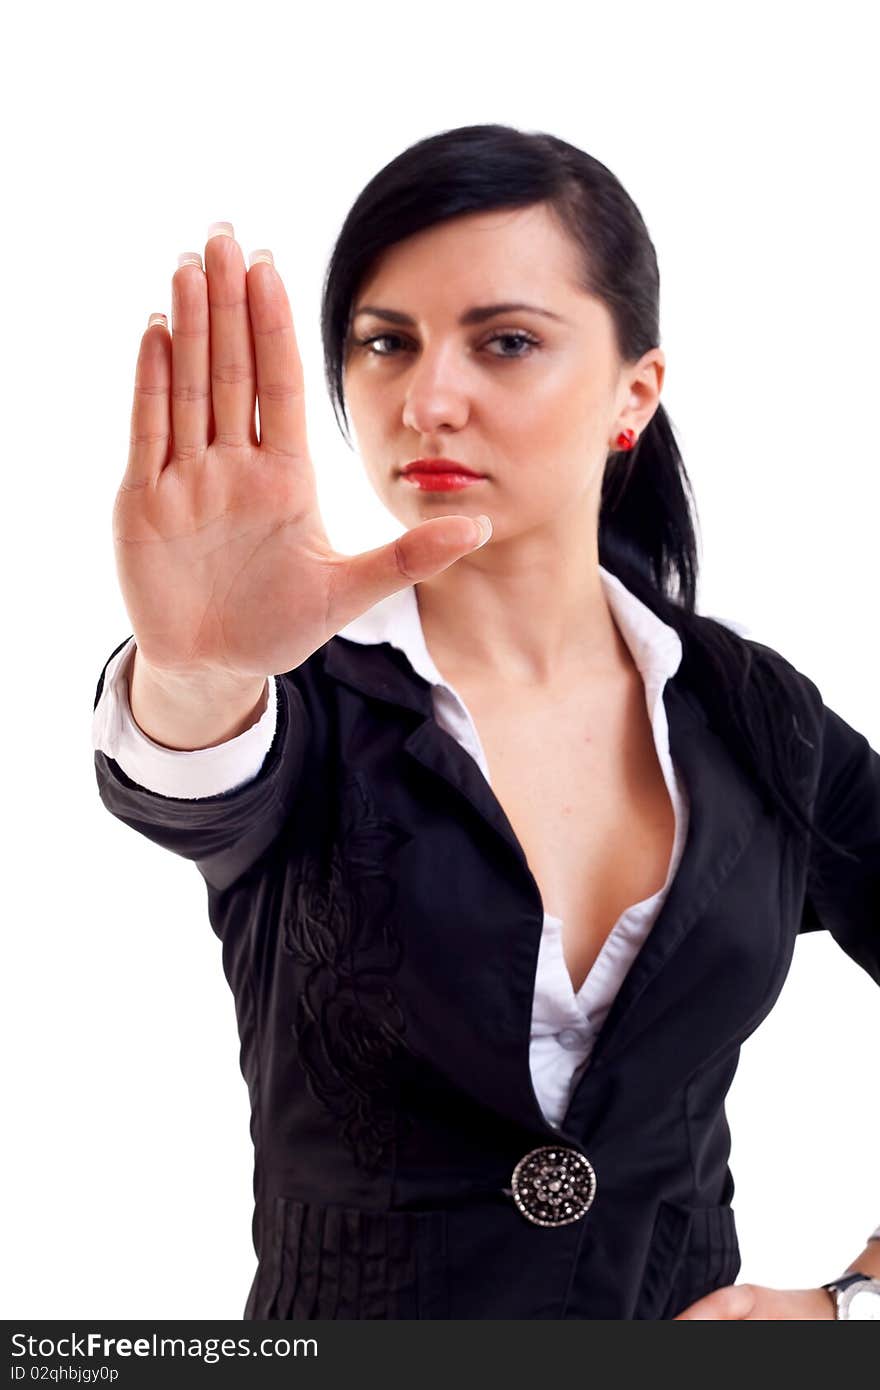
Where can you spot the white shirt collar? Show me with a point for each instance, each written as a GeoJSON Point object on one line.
{"type": "Point", "coordinates": [654, 645]}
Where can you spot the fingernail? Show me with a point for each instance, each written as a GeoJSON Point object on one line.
{"type": "Point", "coordinates": [190, 258]}
{"type": "Point", "coordinates": [485, 526]}
{"type": "Point", "coordinates": [220, 229]}
{"type": "Point", "coordinates": [261, 256]}
{"type": "Point", "coordinates": [158, 318]}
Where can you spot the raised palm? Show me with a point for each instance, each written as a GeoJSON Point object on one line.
{"type": "Point", "coordinates": [222, 557]}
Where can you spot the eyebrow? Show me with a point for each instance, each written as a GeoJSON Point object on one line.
{"type": "Point", "coordinates": [478, 313]}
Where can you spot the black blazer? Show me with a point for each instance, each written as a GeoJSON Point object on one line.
{"type": "Point", "coordinates": [380, 929]}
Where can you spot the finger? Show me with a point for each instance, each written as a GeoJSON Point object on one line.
{"type": "Point", "coordinates": [734, 1302]}
{"type": "Point", "coordinates": [418, 554]}
{"type": "Point", "coordinates": [233, 382]}
{"type": "Point", "coordinates": [149, 436]}
{"type": "Point", "coordinates": [280, 384]}
{"type": "Point", "coordinates": [190, 360]}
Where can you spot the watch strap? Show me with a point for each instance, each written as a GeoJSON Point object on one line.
{"type": "Point", "coordinates": [837, 1286]}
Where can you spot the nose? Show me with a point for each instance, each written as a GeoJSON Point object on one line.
{"type": "Point", "coordinates": [435, 395]}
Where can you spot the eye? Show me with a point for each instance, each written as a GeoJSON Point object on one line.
{"type": "Point", "coordinates": [517, 337]}
{"type": "Point", "coordinates": [526, 338]}
{"type": "Point", "coordinates": [378, 338]}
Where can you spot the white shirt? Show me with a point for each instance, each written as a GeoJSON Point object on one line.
{"type": "Point", "coordinates": [565, 1023]}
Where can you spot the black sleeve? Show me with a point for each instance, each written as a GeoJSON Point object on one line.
{"type": "Point", "coordinates": [843, 895]}
{"type": "Point", "coordinates": [224, 834]}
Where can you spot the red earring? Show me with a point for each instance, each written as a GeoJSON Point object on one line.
{"type": "Point", "coordinates": [626, 439]}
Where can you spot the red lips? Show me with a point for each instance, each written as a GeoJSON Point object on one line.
{"type": "Point", "coordinates": [435, 465]}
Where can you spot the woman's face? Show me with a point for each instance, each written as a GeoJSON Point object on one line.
{"type": "Point", "coordinates": [531, 400]}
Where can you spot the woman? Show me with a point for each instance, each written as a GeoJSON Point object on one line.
{"type": "Point", "coordinates": [509, 853]}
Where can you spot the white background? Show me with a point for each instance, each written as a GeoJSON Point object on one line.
{"type": "Point", "coordinates": [748, 139]}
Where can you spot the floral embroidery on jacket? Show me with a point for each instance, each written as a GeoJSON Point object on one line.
{"type": "Point", "coordinates": [349, 1025]}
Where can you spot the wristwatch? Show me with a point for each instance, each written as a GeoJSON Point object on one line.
{"type": "Point", "coordinates": [855, 1295]}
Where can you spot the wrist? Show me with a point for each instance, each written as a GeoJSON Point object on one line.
{"type": "Point", "coordinates": [195, 710]}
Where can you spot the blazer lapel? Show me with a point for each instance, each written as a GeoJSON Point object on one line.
{"type": "Point", "coordinates": [498, 1077]}
{"type": "Point", "coordinates": [724, 804]}
{"type": "Point", "coordinates": [384, 672]}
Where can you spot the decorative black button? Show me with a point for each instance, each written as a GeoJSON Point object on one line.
{"type": "Point", "coordinates": [553, 1185]}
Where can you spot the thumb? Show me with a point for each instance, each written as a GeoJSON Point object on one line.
{"type": "Point", "coordinates": [426, 550]}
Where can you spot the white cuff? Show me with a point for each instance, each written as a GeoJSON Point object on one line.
{"type": "Point", "coordinates": [173, 771]}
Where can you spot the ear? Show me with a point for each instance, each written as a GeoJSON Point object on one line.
{"type": "Point", "coordinates": [641, 386]}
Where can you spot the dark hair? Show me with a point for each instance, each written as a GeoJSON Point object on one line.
{"type": "Point", "coordinates": [647, 516]}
